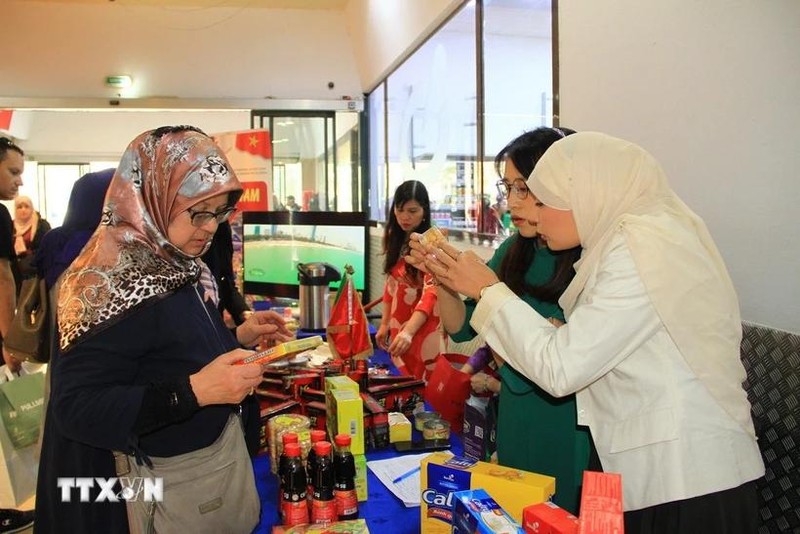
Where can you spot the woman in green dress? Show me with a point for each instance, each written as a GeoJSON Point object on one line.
{"type": "Point", "coordinates": [535, 431]}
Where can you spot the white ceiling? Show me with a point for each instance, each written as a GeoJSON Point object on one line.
{"type": "Point", "coordinates": [267, 4]}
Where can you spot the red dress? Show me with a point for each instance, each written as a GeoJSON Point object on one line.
{"type": "Point", "coordinates": [403, 297]}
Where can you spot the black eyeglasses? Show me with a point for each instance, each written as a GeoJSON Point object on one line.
{"type": "Point", "coordinates": [519, 187]}
{"type": "Point", "coordinates": [201, 218]}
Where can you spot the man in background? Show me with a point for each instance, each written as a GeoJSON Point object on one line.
{"type": "Point", "coordinates": [11, 165]}
{"type": "Point", "coordinates": [291, 205]}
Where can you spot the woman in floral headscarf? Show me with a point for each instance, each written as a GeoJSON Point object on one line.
{"type": "Point", "coordinates": [146, 366]}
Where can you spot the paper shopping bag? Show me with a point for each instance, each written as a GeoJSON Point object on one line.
{"type": "Point", "coordinates": [21, 412]}
{"type": "Point", "coordinates": [448, 388]}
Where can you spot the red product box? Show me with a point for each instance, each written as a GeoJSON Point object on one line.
{"type": "Point", "coordinates": [317, 414]}
{"type": "Point", "coordinates": [547, 518]}
{"type": "Point", "coordinates": [376, 423]}
{"type": "Point", "coordinates": [399, 396]}
{"type": "Point", "coordinates": [601, 504]}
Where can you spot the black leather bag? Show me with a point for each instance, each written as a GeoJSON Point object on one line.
{"type": "Point", "coordinates": [28, 337]}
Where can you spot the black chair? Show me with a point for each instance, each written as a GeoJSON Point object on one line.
{"type": "Point", "coordinates": [772, 360]}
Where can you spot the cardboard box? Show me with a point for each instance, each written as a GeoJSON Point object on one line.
{"type": "Point", "coordinates": [601, 504]}
{"type": "Point", "coordinates": [476, 430]}
{"type": "Point", "coordinates": [442, 474]}
{"type": "Point", "coordinates": [346, 416]}
{"type": "Point", "coordinates": [282, 350]}
{"type": "Point", "coordinates": [361, 477]}
{"type": "Point", "coordinates": [399, 396]}
{"type": "Point", "coordinates": [547, 518]}
{"type": "Point", "coordinates": [475, 512]}
{"type": "Point", "coordinates": [354, 526]}
{"type": "Point", "coordinates": [376, 423]}
{"type": "Point", "coordinates": [399, 427]}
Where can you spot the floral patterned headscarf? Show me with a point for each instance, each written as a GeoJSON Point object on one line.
{"type": "Point", "coordinates": [129, 260]}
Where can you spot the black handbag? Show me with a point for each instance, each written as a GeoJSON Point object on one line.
{"type": "Point", "coordinates": [28, 338]}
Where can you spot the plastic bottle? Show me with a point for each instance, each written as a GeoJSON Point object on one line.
{"type": "Point", "coordinates": [311, 460]}
{"type": "Point", "coordinates": [323, 507]}
{"type": "Point", "coordinates": [293, 495]}
{"type": "Point", "coordinates": [286, 438]}
{"type": "Point", "coordinates": [344, 489]}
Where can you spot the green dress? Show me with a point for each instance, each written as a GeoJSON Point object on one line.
{"type": "Point", "coordinates": [535, 431]}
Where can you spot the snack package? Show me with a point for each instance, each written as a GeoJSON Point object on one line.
{"type": "Point", "coordinates": [601, 504]}
{"type": "Point", "coordinates": [283, 350]}
{"type": "Point", "coordinates": [432, 236]}
{"type": "Point", "coordinates": [475, 512]}
{"type": "Point", "coordinates": [547, 518]}
{"type": "Point", "coordinates": [353, 526]}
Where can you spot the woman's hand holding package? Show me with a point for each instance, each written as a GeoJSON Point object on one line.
{"type": "Point", "coordinates": [458, 270]}
{"type": "Point", "coordinates": [265, 324]}
{"type": "Point", "coordinates": [224, 382]}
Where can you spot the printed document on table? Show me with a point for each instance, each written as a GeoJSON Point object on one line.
{"type": "Point", "coordinates": [407, 489]}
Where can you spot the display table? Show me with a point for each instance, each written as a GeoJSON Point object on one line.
{"type": "Point", "coordinates": [383, 511]}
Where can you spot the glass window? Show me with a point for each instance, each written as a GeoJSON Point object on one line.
{"type": "Point", "coordinates": [431, 121]}
{"type": "Point", "coordinates": [377, 153]}
{"type": "Point", "coordinates": [432, 104]}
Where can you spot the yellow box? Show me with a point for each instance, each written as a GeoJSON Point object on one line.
{"type": "Point", "coordinates": [442, 474]}
{"type": "Point", "coordinates": [346, 416]}
{"type": "Point", "coordinates": [399, 427]}
{"type": "Point", "coordinates": [361, 477]}
{"type": "Point", "coordinates": [353, 526]}
{"type": "Point", "coordinates": [283, 350]}
{"type": "Point", "coordinates": [340, 382]}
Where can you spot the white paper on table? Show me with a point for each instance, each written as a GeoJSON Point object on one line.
{"type": "Point", "coordinates": [408, 489]}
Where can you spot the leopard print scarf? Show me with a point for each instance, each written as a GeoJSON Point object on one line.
{"type": "Point", "coordinates": [129, 261]}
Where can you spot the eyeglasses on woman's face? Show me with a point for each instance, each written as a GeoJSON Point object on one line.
{"type": "Point", "coordinates": [518, 186]}
{"type": "Point", "coordinates": [201, 218]}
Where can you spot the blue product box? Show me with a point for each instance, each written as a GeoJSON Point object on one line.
{"type": "Point", "coordinates": [475, 512]}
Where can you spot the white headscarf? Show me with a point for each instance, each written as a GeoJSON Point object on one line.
{"type": "Point", "coordinates": [22, 227]}
{"type": "Point", "coordinates": [611, 186]}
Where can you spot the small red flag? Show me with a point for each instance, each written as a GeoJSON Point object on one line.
{"type": "Point", "coordinates": [255, 142]}
{"type": "Point", "coordinates": [348, 329]}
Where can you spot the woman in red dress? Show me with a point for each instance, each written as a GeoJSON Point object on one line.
{"type": "Point", "coordinates": [410, 326]}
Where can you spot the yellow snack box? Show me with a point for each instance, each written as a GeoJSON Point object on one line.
{"type": "Point", "coordinates": [399, 427]}
{"type": "Point", "coordinates": [353, 526]}
{"type": "Point", "coordinates": [442, 474]}
{"type": "Point", "coordinates": [346, 416]}
{"type": "Point", "coordinates": [283, 350]}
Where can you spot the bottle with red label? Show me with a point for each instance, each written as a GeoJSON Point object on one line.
{"type": "Point", "coordinates": [323, 506]}
{"type": "Point", "coordinates": [311, 460]}
{"type": "Point", "coordinates": [293, 495]}
{"type": "Point", "coordinates": [286, 438]}
{"type": "Point", "coordinates": [344, 489]}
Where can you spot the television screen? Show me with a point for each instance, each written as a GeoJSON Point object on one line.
{"type": "Point", "coordinates": [276, 241]}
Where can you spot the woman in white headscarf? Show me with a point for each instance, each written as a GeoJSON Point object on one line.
{"type": "Point", "coordinates": [29, 228]}
{"type": "Point", "coordinates": [651, 346]}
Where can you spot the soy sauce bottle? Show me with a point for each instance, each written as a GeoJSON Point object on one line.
{"type": "Point", "coordinates": [311, 460]}
{"type": "Point", "coordinates": [344, 489]}
{"type": "Point", "coordinates": [286, 438]}
{"type": "Point", "coordinates": [323, 507]}
{"type": "Point", "coordinates": [293, 495]}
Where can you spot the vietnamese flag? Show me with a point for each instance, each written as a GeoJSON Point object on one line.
{"type": "Point", "coordinates": [255, 142]}
{"type": "Point", "coordinates": [348, 330]}
{"type": "Point", "coordinates": [5, 118]}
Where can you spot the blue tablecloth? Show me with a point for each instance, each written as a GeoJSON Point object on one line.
{"type": "Point", "coordinates": [383, 511]}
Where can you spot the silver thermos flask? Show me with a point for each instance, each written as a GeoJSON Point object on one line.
{"type": "Point", "coordinates": [315, 278]}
